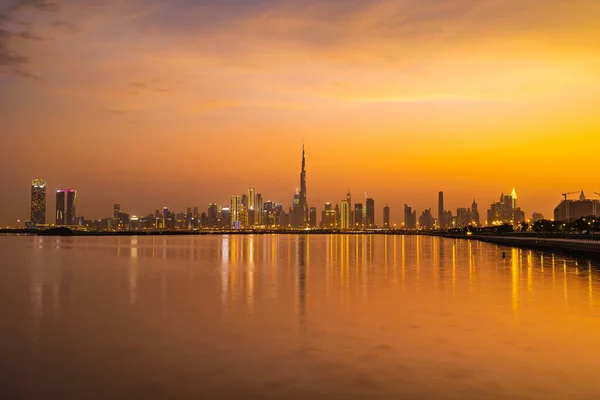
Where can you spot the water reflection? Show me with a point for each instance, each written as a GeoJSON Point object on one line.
{"type": "Point", "coordinates": [337, 308]}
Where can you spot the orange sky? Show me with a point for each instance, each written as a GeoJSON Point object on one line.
{"type": "Point", "coordinates": [181, 103]}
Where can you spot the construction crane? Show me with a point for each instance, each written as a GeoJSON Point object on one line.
{"type": "Point", "coordinates": [566, 194]}
{"type": "Point", "coordinates": [567, 204]}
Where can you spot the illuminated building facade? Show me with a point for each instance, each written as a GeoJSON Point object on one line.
{"type": "Point", "coordinates": [38, 202]}
{"type": "Point", "coordinates": [505, 211]}
{"type": "Point", "coordinates": [251, 207]}
{"type": "Point", "coordinates": [345, 215]}
{"type": "Point", "coordinates": [235, 212]}
{"type": "Point", "coordinates": [260, 212]}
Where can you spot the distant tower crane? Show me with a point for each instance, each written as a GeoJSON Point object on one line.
{"type": "Point", "coordinates": [567, 204]}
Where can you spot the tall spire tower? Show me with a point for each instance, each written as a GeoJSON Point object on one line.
{"type": "Point", "coordinates": [303, 205]}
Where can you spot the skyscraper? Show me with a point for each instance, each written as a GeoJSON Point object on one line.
{"type": "Point", "coordinates": [410, 218]}
{"type": "Point", "coordinates": [301, 209]}
{"type": "Point", "coordinates": [251, 206]}
{"type": "Point", "coordinates": [358, 216]}
{"type": "Point", "coordinates": [370, 220]}
{"type": "Point", "coordinates": [116, 211]}
{"type": "Point", "coordinates": [60, 207]}
{"type": "Point", "coordinates": [386, 217]}
{"type": "Point", "coordinates": [475, 212]}
{"type": "Point", "coordinates": [426, 220]}
{"type": "Point", "coordinates": [213, 215]}
{"type": "Point", "coordinates": [38, 201]}
{"type": "Point", "coordinates": [313, 217]}
{"type": "Point", "coordinates": [71, 213]}
{"type": "Point", "coordinates": [235, 212]}
{"type": "Point", "coordinates": [260, 212]}
{"type": "Point", "coordinates": [349, 199]}
{"type": "Point", "coordinates": [441, 220]}
{"type": "Point", "coordinates": [345, 215]}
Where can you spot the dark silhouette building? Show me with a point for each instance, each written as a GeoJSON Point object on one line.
{"type": "Point", "coordinates": [358, 216]}
{"type": "Point", "coordinates": [370, 212]}
{"type": "Point", "coordinates": [60, 207]}
{"type": "Point", "coordinates": [410, 218]}
{"type": "Point", "coordinates": [441, 220]}
{"type": "Point", "coordinates": [570, 210]}
{"type": "Point", "coordinates": [313, 217]}
{"type": "Point", "coordinates": [300, 209]}
{"type": "Point", "coordinates": [386, 217]}
{"type": "Point", "coordinates": [426, 220]}
{"type": "Point", "coordinates": [71, 211]}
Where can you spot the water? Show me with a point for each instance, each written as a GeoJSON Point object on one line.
{"type": "Point", "coordinates": [294, 317]}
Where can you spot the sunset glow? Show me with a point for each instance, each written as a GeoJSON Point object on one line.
{"type": "Point", "coordinates": [148, 103]}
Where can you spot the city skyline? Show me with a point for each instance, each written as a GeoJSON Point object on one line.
{"type": "Point", "coordinates": [250, 210]}
{"type": "Point", "coordinates": [162, 103]}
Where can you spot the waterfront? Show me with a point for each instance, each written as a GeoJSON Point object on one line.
{"type": "Point", "coordinates": [286, 316]}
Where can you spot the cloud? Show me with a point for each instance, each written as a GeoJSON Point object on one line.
{"type": "Point", "coordinates": [29, 36]}
{"type": "Point", "coordinates": [7, 56]}
{"type": "Point", "coordinates": [42, 5]}
{"type": "Point", "coordinates": [26, 74]}
{"type": "Point", "coordinates": [65, 26]}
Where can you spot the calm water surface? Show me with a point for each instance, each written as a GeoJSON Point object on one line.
{"type": "Point", "coordinates": [294, 317]}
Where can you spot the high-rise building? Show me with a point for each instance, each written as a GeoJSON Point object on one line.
{"type": "Point", "coordinates": [213, 216]}
{"type": "Point", "coordinates": [313, 217]}
{"type": "Point", "coordinates": [464, 217]}
{"type": "Point", "coordinates": [386, 217]}
{"type": "Point", "coordinates": [38, 202]}
{"type": "Point", "coordinates": [345, 215]}
{"type": "Point", "coordinates": [260, 212]}
{"type": "Point", "coordinates": [426, 220]}
{"type": "Point", "coordinates": [188, 218]}
{"type": "Point", "coordinates": [410, 218]}
{"type": "Point", "coordinates": [251, 207]}
{"type": "Point", "coordinates": [300, 210]}
{"type": "Point", "coordinates": [505, 211]}
{"type": "Point", "coordinates": [475, 213]}
{"type": "Point", "coordinates": [71, 213]}
{"type": "Point", "coordinates": [370, 217]}
{"type": "Point", "coordinates": [441, 220]}
{"type": "Point", "coordinates": [349, 199]}
{"type": "Point", "coordinates": [570, 210]}
{"type": "Point", "coordinates": [60, 207]}
{"type": "Point", "coordinates": [329, 217]}
{"type": "Point", "coordinates": [244, 200]}
{"type": "Point", "coordinates": [116, 212]}
{"type": "Point", "coordinates": [358, 216]}
{"type": "Point", "coordinates": [235, 212]}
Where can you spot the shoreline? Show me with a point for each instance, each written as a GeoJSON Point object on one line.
{"type": "Point", "coordinates": [585, 245]}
